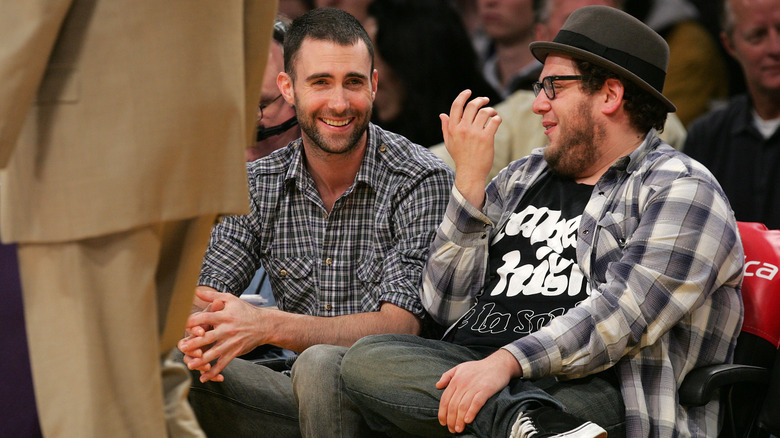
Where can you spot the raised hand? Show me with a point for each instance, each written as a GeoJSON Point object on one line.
{"type": "Point", "coordinates": [469, 132]}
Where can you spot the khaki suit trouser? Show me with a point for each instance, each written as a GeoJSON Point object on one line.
{"type": "Point", "coordinates": [102, 316]}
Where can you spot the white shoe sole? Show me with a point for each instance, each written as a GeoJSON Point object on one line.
{"type": "Point", "coordinates": [587, 430]}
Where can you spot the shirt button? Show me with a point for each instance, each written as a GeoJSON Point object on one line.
{"type": "Point", "coordinates": [586, 232]}
{"type": "Point", "coordinates": [328, 307]}
{"type": "Point", "coordinates": [283, 273]}
{"type": "Point", "coordinates": [328, 261]}
{"type": "Point", "coordinates": [325, 215]}
{"type": "Point", "coordinates": [382, 148]}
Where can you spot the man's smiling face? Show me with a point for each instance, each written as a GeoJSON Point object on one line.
{"type": "Point", "coordinates": [333, 90]}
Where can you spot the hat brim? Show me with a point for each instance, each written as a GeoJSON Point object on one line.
{"type": "Point", "coordinates": [540, 50]}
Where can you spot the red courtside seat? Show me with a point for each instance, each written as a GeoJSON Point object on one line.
{"type": "Point", "coordinates": [749, 389]}
{"type": "Point", "coordinates": [762, 281]}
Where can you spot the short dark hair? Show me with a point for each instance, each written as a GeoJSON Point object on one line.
{"type": "Point", "coordinates": [323, 24]}
{"type": "Point", "coordinates": [644, 110]}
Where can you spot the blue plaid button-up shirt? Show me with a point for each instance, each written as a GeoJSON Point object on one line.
{"type": "Point", "coordinates": [661, 250]}
{"type": "Point", "coordinates": [370, 248]}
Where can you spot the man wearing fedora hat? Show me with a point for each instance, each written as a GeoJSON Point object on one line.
{"type": "Point", "coordinates": [580, 285]}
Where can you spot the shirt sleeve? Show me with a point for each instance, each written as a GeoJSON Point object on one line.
{"type": "Point", "coordinates": [416, 216]}
{"type": "Point", "coordinates": [231, 259]}
{"type": "Point", "coordinates": [233, 256]}
{"type": "Point", "coordinates": [682, 250]}
{"type": "Point", "coordinates": [458, 261]}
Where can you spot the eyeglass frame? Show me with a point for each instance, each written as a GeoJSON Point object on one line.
{"type": "Point", "coordinates": [261, 107]}
{"type": "Point", "coordinates": [548, 86]}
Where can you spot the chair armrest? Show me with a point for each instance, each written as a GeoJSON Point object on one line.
{"type": "Point", "coordinates": [700, 384]}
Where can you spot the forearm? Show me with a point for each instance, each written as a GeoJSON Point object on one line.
{"type": "Point", "coordinates": [472, 186]}
{"type": "Point", "coordinates": [455, 271]}
{"type": "Point", "coordinates": [298, 332]}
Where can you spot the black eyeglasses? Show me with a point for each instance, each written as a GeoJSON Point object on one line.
{"type": "Point", "coordinates": [263, 105]}
{"type": "Point", "coordinates": [549, 86]}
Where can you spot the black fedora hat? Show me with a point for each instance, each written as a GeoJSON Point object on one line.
{"type": "Point", "coordinates": [615, 40]}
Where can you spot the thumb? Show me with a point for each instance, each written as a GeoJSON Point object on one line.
{"type": "Point", "coordinates": [207, 294]}
{"type": "Point", "coordinates": [445, 379]}
{"type": "Point", "coordinates": [217, 305]}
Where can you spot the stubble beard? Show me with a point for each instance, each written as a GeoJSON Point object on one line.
{"type": "Point", "coordinates": [577, 150]}
{"type": "Point", "coordinates": [308, 124]}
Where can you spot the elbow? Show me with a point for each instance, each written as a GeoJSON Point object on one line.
{"type": "Point", "coordinates": [399, 320]}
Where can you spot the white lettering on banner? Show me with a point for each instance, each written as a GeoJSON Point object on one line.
{"type": "Point", "coordinates": [553, 275]}
{"type": "Point", "coordinates": [763, 270]}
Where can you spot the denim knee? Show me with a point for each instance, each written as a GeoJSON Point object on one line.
{"type": "Point", "coordinates": [318, 365]}
{"type": "Point", "coordinates": [365, 365]}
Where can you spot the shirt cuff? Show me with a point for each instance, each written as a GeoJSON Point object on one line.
{"type": "Point", "coordinates": [464, 224]}
{"type": "Point", "coordinates": [404, 301]}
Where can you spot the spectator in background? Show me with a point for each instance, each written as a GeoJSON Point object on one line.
{"type": "Point", "coordinates": [469, 14]}
{"type": "Point", "coordinates": [697, 79]}
{"type": "Point", "coordinates": [510, 26]}
{"type": "Point", "coordinates": [276, 122]}
{"type": "Point", "coordinates": [740, 143]}
{"type": "Point", "coordinates": [424, 58]}
{"type": "Point", "coordinates": [520, 133]}
{"type": "Point", "coordinates": [291, 9]}
{"type": "Point", "coordinates": [709, 16]}
{"type": "Point", "coordinates": [356, 8]}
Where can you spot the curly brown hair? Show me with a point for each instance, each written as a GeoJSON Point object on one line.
{"type": "Point", "coordinates": [644, 110]}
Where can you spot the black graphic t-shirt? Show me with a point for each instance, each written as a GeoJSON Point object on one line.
{"type": "Point", "coordinates": [533, 269]}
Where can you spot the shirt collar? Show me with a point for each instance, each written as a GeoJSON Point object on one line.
{"type": "Point", "coordinates": [368, 172]}
{"type": "Point", "coordinates": [632, 161]}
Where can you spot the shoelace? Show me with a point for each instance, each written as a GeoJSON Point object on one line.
{"type": "Point", "coordinates": [523, 427]}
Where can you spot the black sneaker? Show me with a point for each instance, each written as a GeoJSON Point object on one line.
{"type": "Point", "coordinates": [548, 422]}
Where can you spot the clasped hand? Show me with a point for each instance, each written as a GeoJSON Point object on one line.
{"type": "Point", "coordinates": [226, 328]}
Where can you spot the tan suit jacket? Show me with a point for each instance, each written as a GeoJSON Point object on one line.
{"type": "Point", "coordinates": [121, 113]}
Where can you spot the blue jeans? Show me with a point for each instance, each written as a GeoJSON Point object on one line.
{"type": "Point", "coordinates": [256, 401]}
{"type": "Point", "coordinates": [392, 378]}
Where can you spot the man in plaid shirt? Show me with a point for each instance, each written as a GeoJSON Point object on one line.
{"type": "Point", "coordinates": [342, 220]}
{"type": "Point", "coordinates": [607, 260]}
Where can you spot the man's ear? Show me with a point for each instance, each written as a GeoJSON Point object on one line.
{"type": "Point", "coordinates": [285, 84]}
{"type": "Point", "coordinates": [728, 44]}
{"type": "Point", "coordinates": [374, 83]}
{"type": "Point", "coordinates": [612, 93]}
